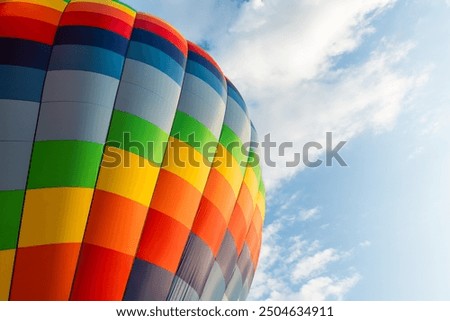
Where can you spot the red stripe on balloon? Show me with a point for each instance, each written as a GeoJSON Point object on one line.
{"type": "Point", "coordinates": [97, 20]}
{"type": "Point", "coordinates": [28, 29]}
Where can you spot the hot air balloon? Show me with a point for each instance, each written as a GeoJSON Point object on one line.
{"type": "Point", "coordinates": [125, 172]}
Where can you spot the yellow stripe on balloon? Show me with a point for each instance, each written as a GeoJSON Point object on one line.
{"type": "Point", "coordinates": [252, 183]}
{"type": "Point", "coordinates": [227, 165]}
{"type": "Point", "coordinates": [55, 4]}
{"type": "Point", "coordinates": [55, 215]}
{"type": "Point", "coordinates": [6, 269]}
{"type": "Point", "coordinates": [186, 162]}
{"type": "Point", "coordinates": [133, 177]}
{"type": "Point", "coordinates": [110, 3]}
{"type": "Point", "coordinates": [261, 204]}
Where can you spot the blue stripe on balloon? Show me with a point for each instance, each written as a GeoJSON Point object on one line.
{"type": "Point", "coordinates": [193, 56]}
{"type": "Point", "coordinates": [206, 75]}
{"type": "Point", "coordinates": [26, 53]}
{"type": "Point", "coordinates": [21, 83]}
{"type": "Point", "coordinates": [87, 58]}
{"type": "Point", "coordinates": [81, 35]}
{"type": "Point", "coordinates": [160, 43]}
{"type": "Point", "coordinates": [234, 93]}
{"type": "Point", "coordinates": [156, 58]}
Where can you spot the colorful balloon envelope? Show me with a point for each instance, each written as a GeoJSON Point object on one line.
{"type": "Point", "coordinates": [127, 169]}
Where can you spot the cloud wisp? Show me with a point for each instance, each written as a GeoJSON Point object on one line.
{"type": "Point", "coordinates": [308, 214]}
{"type": "Point", "coordinates": [295, 268]}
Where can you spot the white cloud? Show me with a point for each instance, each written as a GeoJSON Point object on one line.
{"type": "Point", "coordinates": [291, 200]}
{"type": "Point", "coordinates": [309, 214]}
{"type": "Point", "coordinates": [313, 264]}
{"type": "Point", "coordinates": [280, 54]}
{"type": "Point", "coordinates": [282, 42]}
{"type": "Point", "coordinates": [365, 243]}
{"type": "Point", "coordinates": [323, 288]}
{"type": "Point", "coordinates": [348, 102]}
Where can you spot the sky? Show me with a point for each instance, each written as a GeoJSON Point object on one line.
{"type": "Point", "coordinates": [375, 73]}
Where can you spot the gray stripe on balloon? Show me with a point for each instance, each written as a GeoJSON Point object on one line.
{"type": "Point", "coordinates": [237, 120]}
{"type": "Point", "coordinates": [73, 121]}
{"type": "Point", "coordinates": [182, 291]}
{"type": "Point", "coordinates": [14, 164]}
{"type": "Point", "coordinates": [194, 266]}
{"type": "Point", "coordinates": [203, 103]}
{"type": "Point", "coordinates": [215, 285]}
{"type": "Point", "coordinates": [234, 287]}
{"type": "Point", "coordinates": [156, 103]}
{"type": "Point", "coordinates": [80, 86]}
{"type": "Point", "coordinates": [142, 280]}
{"type": "Point", "coordinates": [18, 120]}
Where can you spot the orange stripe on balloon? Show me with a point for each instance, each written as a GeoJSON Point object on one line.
{"type": "Point", "coordinates": [246, 204]}
{"type": "Point", "coordinates": [219, 192]}
{"type": "Point", "coordinates": [253, 242]}
{"type": "Point", "coordinates": [209, 225]}
{"type": "Point", "coordinates": [115, 222]}
{"type": "Point", "coordinates": [176, 198]}
{"type": "Point", "coordinates": [29, 10]}
{"type": "Point", "coordinates": [238, 228]}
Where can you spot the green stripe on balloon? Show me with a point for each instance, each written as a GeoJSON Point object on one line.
{"type": "Point", "coordinates": [137, 136]}
{"type": "Point", "coordinates": [64, 163]}
{"type": "Point", "coordinates": [234, 145]}
{"type": "Point", "coordinates": [10, 213]}
{"type": "Point", "coordinates": [189, 130]}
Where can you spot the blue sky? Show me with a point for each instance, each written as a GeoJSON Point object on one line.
{"type": "Point", "coordinates": [376, 74]}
